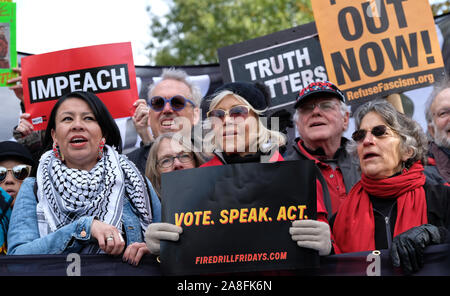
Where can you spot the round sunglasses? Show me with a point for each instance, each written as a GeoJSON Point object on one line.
{"type": "Point", "coordinates": [177, 103]}
{"type": "Point", "coordinates": [378, 131]}
{"type": "Point", "coordinates": [20, 172]}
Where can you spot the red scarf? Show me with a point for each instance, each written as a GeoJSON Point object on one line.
{"type": "Point", "coordinates": [354, 227]}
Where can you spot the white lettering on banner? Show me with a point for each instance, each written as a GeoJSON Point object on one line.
{"type": "Point", "coordinates": [101, 79]}
{"type": "Point", "coordinates": [115, 77]}
{"type": "Point", "coordinates": [296, 81]}
{"type": "Point", "coordinates": [286, 62]}
{"type": "Point", "coordinates": [268, 67]}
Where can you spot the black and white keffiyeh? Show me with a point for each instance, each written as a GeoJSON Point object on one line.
{"type": "Point", "coordinates": [65, 194]}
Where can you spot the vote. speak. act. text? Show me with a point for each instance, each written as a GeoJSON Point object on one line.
{"type": "Point", "coordinates": [243, 215]}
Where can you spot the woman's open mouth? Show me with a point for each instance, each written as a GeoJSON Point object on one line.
{"type": "Point", "coordinates": [78, 141]}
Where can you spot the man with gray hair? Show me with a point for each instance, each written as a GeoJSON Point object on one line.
{"type": "Point", "coordinates": [172, 106]}
{"type": "Point", "coordinates": [321, 117]}
{"type": "Point", "coordinates": [437, 113]}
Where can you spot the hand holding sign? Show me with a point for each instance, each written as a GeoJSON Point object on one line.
{"type": "Point", "coordinates": [161, 231]}
{"type": "Point", "coordinates": [140, 120]}
{"type": "Point", "coordinates": [25, 127]}
{"type": "Point", "coordinates": [237, 218]}
{"type": "Point", "coordinates": [312, 234]}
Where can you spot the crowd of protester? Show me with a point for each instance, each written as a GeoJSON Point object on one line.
{"type": "Point", "coordinates": [385, 188]}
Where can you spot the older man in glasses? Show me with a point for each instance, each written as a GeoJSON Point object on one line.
{"type": "Point", "coordinates": [437, 114]}
{"type": "Point", "coordinates": [172, 106]}
{"type": "Point", "coordinates": [321, 118]}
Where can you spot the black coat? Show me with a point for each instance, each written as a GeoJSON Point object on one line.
{"type": "Point", "coordinates": [385, 213]}
{"type": "Point", "coordinates": [139, 157]}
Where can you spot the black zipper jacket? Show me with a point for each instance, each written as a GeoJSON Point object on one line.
{"type": "Point", "coordinates": [385, 213]}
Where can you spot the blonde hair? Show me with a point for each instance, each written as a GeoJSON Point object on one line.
{"type": "Point", "coordinates": [267, 139]}
{"type": "Point", "coordinates": [151, 167]}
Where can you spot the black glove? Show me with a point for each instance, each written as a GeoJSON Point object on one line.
{"type": "Point", "coordinates": [408, 247]}
{"type": "Point", "coordinates": [284, 122]}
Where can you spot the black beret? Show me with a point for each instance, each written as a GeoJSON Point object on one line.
{"type": "Point", "coordinates": [15, 150]}
{"type": "Point", "coordinates": [256, 94]}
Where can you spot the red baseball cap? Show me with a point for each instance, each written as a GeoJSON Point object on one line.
{"type": "Point", "coordinates": [316, 88]}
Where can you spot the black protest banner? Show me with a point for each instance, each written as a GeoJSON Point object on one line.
{"type": "Point", "coordinates": [236, 218]}
{"type": "Point", "coordinates": [286, 61]}
{"type": "Point", "coordinates": [378, 47]}
{"type": "Point", "coordinates": [436, 260]}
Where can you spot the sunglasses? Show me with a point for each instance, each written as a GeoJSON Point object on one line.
{"type": "Point", "coordinates": [378, 131]}
{"type": "Point", "coordinates": [168, 161]}
{"type": "Point", "coordinates": [20, 172]}
{"type": "Point", "coordinates": [177, 103]}
{"type": "Point", "coordinates": [235, 112]}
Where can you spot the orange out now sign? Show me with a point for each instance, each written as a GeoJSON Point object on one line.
{"type": "Point", "coordinates": [377, 47]}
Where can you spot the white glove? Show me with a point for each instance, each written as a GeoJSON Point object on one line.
{"type": "Point", "coordinates": [161, 231]}
{"type": "Point", "coordinates": [312, 234]}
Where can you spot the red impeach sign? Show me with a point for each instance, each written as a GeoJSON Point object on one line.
{"type": "Point", "coordinates": [106, 70]}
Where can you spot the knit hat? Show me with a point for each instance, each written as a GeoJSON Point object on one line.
{"type": "Point", "coordinates": [13, 149]}
{"type": "Point", "coordinates": [256, 94]}
{"type": "Point", "coordinates": [315, 88]}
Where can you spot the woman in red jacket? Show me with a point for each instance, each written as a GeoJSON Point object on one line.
{"type": "Point", "coordinates": [393, 206]}
{"type": "Point", "coordinates": [239, 136]}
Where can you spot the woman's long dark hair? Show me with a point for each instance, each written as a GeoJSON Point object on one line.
{"type": "Point", "coordinates": [104, 119]}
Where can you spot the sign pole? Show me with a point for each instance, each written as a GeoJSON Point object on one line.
{"type": "Point", "coordinates": [396, 101]}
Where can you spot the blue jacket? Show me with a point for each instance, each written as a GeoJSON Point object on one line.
{"type": "Point", "coordinates": [5, 214]}
{"type": "Point", "coordinates": [24, 238]}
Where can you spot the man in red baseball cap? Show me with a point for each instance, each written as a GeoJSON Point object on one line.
{"type": "Point", "coordinates": [321, 118]}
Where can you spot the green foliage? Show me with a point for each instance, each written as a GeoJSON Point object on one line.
{"type": "Point", "coordinates": [441, 8]}
{"type": "Point", "coordinates": [193, 30]}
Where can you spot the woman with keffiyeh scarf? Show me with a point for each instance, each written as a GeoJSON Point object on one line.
{"type": "Point", "coordinates": [392, 206]}
{"type": "Point", "coordinates": [86, 196]}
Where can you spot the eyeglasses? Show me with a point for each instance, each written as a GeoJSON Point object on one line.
{"type": "Point", "coordinates": [378, 131]}
{"type": "Point", "coordinates": [20, 172]}
{"type": "Point", "coordinates": [168, 161]}
{"type": "Point", "coordinates": [324, 106]}
{"type": "Point", "coordinates": [177, 103]}
{"type": "Point", "coordinates": [234, 112]}
{"type": "Point", "coordinates": [443, 113]}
